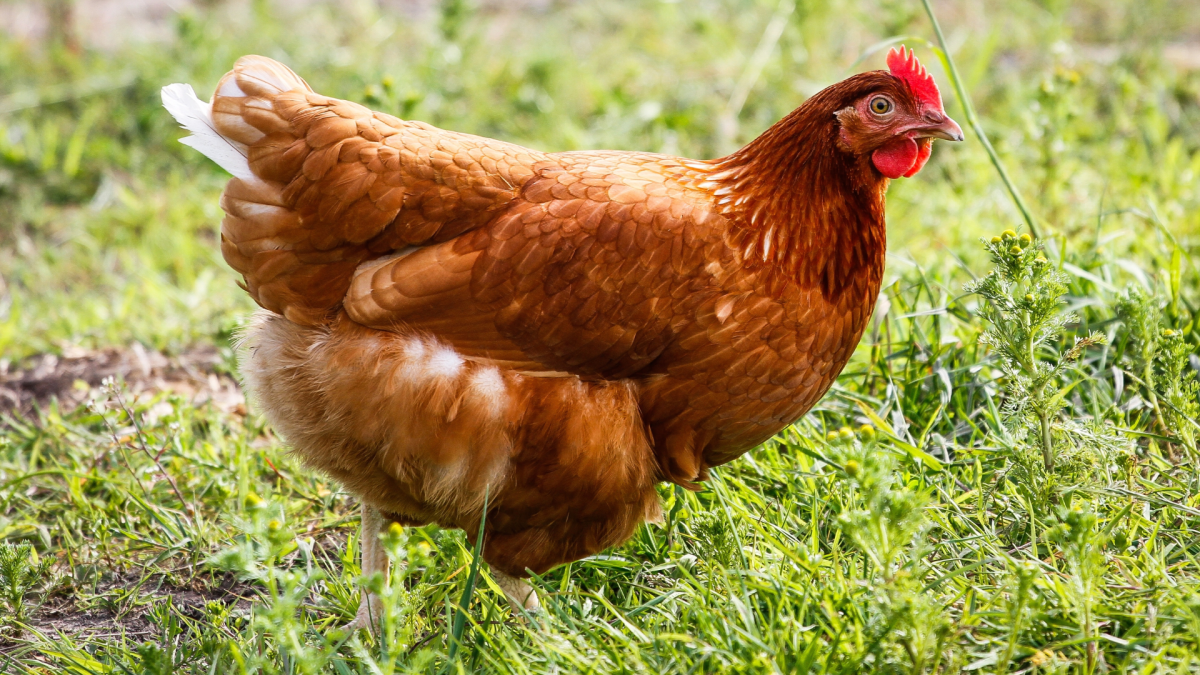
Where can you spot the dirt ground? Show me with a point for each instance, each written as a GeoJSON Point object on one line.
{"type": "Point", "coordinates": [63, 616]}
{"type": "Point", "coordinates": [194, 375]}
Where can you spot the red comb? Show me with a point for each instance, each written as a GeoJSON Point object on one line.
{"type": "Point", "coordinates": [904, 64]}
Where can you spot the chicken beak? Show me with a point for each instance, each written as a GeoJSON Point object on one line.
{"type": "Point", "coordinates": [946, 129]}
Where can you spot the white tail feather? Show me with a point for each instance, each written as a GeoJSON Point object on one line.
{"type": "Point", "coordinates": [196, 116]}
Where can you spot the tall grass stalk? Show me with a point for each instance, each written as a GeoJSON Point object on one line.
{"type": "Point", "coordinates": [973, 121]}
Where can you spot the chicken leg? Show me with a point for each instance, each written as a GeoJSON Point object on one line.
{"type": "Point", "coordinates": [522, 597]}
{"type": "Point", "coordinates": [374, 559]}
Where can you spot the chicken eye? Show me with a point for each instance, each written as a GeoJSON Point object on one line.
{"type": "Point", "coordinates": [881, 105]}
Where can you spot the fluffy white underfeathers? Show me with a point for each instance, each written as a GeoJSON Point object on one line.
{"type": "Point", "coordinates": [196, 116]}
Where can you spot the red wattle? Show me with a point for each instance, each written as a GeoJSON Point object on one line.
{"type": "Point", "coordinates": [896, 158]}
{"type": "Point", "coordinates": [924, 149]}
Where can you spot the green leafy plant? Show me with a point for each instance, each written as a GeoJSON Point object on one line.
{"type": "Point", "coordinates": [1022, 306]}
{"type": "Point", "coordinates": [1018, 604]}
{"type": "Point", "coordinates": [1179, 387]}
{"type": "Point", "coordinates": [1159, 358]}
{"type": "Point", "coordinates": [886, 522]}
{"type": "Point", "coordinates": [1082, 542]}
{"type": "Point", "coordinates": [294, 582]}
{"type": "Point", "coordinates": [21, 572]}
{"type": "Point", "coordinates": [261, 555]}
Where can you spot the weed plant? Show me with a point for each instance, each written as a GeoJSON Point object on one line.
{"type": "Point", "coordinates": [21, 572]}
{"type": "Point", "coordinates": [1001, 481]}
{"type": "Point", "coordinates": [1022, 297]}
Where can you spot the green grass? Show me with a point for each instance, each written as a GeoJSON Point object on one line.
{"type": "Point", "coordinates": [971, 496]}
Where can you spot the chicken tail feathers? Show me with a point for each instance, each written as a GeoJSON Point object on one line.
{"type": "Point", "coordinates": [263, 235]}
{"type": "Point", "coordinates": [196, 116]}
{"type": "Point", "coordinates": [320, 184]}
{"type": "Point", "coordinates": [222, 130]}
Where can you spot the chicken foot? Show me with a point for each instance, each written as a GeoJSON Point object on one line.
{"type": "Point", "coordinates": [522, 597]}
{"type": "Point", "coordinates": [374, 559]}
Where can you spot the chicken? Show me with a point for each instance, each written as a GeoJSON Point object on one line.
{"type": "Point", "coordinates": [451, 320]}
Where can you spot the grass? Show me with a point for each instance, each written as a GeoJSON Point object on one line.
{"type": "Point", "coordinates": [1001, 481]}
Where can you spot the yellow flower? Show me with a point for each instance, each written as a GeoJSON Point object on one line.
{"type": "Point", "coordinates": [1040, 657]}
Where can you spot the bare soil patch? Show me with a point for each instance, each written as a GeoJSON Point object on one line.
{"type": "Point", "coordinates": [64, 616]}
{"type": "Point", "coordinates": [194, 375]}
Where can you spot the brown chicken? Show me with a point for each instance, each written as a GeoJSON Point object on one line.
{"type": "Point", "coordinates": [449, 318]}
